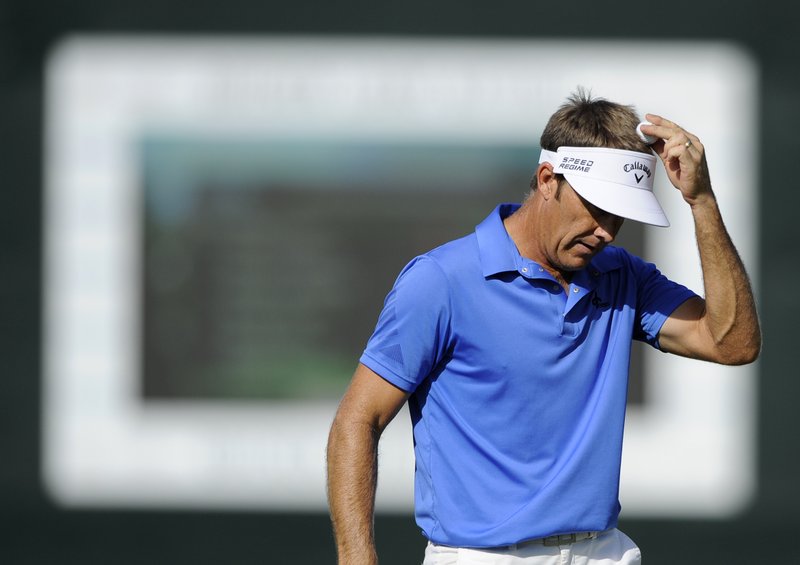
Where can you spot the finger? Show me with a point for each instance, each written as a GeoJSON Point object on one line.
{"type": "Point", "coordinates": [667, 129]}
{"type": "Point", "coordinates": [686, 141]}
{"type": "Point", "coordinates": [696, 143]}
{"type": "Point", "coordinates": [679, 152]}
{"type": "Point", "coordinates": [661, 132]}
{"type": "Point", "coordinates": [660, 121]}
{"type": "Point", "coordinates": [658, 147]}
{"type": "Point", "coordinates": [687, 157]}
{"type": "Point", "coordinates": [680, 139]}
{"type": "Point", "coordinates": [654, 118]}
{"type": "Point", "coordinates": [655, 130]}
{"type": "Point", "coordinates": [662, 127]}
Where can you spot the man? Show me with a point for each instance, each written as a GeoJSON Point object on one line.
{"type": "Point", "coordinates": [512, 346]}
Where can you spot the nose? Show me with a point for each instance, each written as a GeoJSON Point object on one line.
{"type": "Point", "coordinates": [608, 226]}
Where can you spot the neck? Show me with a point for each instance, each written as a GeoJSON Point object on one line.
{"type": "Point", "coordinates": [525, 227]}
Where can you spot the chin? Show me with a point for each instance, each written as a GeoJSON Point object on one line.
{"type": "Point", "coordinates": [576, 263]}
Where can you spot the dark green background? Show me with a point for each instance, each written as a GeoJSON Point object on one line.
{"type": "Point", "coordinates": [33, 530]}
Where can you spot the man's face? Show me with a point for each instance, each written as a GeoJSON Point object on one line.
{"type": "Point", "coordinates": [580, 230]}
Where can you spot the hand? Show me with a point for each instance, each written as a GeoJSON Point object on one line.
{"type": "Point", "coordinates": [684, 158]}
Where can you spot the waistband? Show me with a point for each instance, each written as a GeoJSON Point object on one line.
{"type": "Point", "coordinates": [551, 541]}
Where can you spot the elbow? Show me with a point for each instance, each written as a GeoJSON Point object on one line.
{"type": "Point", "coordinates": [742, 354]}
{"type": "Point", "coordinates": [752, 354]}
{"type": "Point", "coordinates": [743, 357]}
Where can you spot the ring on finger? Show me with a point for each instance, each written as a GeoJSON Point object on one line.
{"type": "Point", "coordinates": [688, 144]}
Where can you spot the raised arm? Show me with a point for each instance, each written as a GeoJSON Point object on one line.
{"type": "Point", "coordinates": [723, 327]}
{"type": "Point", "coordinates": [367, 407]}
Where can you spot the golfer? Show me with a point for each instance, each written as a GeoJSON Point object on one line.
{"type": "Point", "coordinates": [512, 346]}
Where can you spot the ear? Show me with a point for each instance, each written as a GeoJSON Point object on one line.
{"type": "Point", "coordinates": [547, 183]}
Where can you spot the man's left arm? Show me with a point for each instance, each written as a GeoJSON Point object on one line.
{"type": "Point", "coordinates": [723, 327]}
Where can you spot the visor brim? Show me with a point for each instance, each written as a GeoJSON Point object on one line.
{"type": "Point", "coordinates": [621, 200]}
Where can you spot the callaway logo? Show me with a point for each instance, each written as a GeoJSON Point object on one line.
{"type": "Point", "coordinates": [637, 166]}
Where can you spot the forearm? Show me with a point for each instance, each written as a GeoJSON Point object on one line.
{"type": "Point", "coordinates": [352, 479]}
{"type": "Point", "coordinates": [730, 318]}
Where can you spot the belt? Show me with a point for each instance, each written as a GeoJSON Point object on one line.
{"type": "Point", "coordinates": [560, 539]}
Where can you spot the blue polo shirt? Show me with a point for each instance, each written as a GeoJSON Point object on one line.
{"type": "Point", "coordinates": [518, 387]}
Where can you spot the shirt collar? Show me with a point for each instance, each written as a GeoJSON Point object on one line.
{"type": "Point", "coordinates": [497, 251]}
{"type": "Point", "coordinates": [499, 254]}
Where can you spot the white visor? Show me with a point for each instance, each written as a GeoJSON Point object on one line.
{"type": "Point", "coordinates": [617, 181]}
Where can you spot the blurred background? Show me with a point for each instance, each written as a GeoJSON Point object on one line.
{"type": "Point", "coordinates": [153, 311]}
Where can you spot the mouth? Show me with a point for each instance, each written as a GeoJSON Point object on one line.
{"type": "Point", "coordinates": [585, 248]}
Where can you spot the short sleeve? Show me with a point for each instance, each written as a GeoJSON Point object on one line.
{"type": "Point", "coordinates": [657, 298]}
{"type": "Point", "coordinates": [413, 328]}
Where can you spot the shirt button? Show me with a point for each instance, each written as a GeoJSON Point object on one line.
{"type": "Point", "coordinates": [524, 269]}
{"type": "Point", "coordinates": [541, 270]}
{"type": "Point", "coordinates": [555, 287]}
{"type": "Point", "coordinates": [574, 289]}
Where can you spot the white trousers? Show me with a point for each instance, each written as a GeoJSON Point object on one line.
{"type": "Point", "coordinates": [610, 547]}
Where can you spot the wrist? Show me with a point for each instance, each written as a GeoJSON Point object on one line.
{"type": "Point", "coordinates": [367, 556]}
{"type": "Point", "coordinates": [705, 199]}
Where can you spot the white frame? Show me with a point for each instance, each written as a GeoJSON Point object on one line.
{"type": "Point", "coordinates": [690, 451]}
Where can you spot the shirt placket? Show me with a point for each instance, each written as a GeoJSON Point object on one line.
{"type": "Point", "coordinates": [558, 300]}
{"type": "Point", "coordinates": [583, 283]}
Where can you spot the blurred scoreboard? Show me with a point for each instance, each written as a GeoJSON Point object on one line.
{"type": "Point", "coordinates": [223, 218]}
